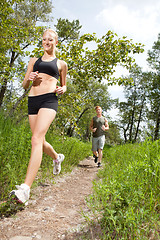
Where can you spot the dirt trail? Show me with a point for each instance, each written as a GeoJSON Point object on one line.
{"type": "Point", "coordinates": [53, 210]}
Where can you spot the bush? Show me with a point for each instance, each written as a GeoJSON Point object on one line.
{"type": "Point", "coordinates": [126, 200]}
{"type": "Point", "coordinates": [15, 149]}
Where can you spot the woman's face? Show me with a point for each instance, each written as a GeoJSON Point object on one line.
{"type": "Point", "coordinates": [49, 41]}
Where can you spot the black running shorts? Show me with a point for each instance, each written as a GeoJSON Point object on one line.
{"type": "Point", "coordinates": [48, 100]}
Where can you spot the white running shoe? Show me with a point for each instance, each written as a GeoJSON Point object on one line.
{"type": "Point", "coordinates": [57, 164]}
{"type": "Point", "coordinates": [22, 194]}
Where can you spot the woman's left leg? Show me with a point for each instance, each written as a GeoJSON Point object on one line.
{"type": "Point", "coordinates": [49, 150]}
{"type": "Point", "coordinates": [44, 119]}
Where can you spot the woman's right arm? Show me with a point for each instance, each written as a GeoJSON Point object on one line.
{"type": "Point", "coordinates": [30, 75]}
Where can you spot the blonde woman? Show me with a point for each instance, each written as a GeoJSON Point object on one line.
{"type": "Point", "coordinates": [42, 107]}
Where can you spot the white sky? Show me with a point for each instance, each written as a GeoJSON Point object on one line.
{"type": "Point", "coordinates": [138, 20]}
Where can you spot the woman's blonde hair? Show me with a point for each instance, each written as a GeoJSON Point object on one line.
{"type": "Point", "coordinates": [52, 31]}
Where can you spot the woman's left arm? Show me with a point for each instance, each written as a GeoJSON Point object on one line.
{"type": "Point", "coordinates": [62, 66]}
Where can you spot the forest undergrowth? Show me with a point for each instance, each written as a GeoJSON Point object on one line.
{"type": "Point", "coordinates": [15, 149]}
{"type": "Point", "coordinates": [125, 200]}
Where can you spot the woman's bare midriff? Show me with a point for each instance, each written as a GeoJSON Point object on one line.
{"type": "Point", "coordinates": [43, 84]}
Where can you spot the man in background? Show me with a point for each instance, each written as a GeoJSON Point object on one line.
{"type": "Point", "coordinates": [98, 126]}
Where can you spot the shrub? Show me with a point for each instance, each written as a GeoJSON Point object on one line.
{"type": "Point", "coordinates": [126, 200]}
{"type": "Point", "coordinates": [15, 149]}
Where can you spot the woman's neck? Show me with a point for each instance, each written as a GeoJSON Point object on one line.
{"type": "Point", "coordinates": [49, 55]}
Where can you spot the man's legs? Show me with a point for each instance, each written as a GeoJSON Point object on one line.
{"type": "Point", "coordinates": [101, 143]}
{"type": "Point", "coordinates": [94, 149]}
{"type": "Point", "coordinates": [100, 157]}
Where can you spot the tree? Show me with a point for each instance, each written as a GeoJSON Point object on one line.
{"type": "Point", "coordinates": [154, 90]}
{"type": "Point", "coordinates": [86, 66]}
{"type": "Point", "coordinates": [113, 134]}
{"type": "Point", "coordinates": [67, 31]}
{"type": "Point", "coordinates": [79, 107]}
{"type": "Point", "coordinates": [133, 111]}
{"type": "Point", "coordinates": [18, 31]}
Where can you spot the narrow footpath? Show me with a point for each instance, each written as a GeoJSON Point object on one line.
{"type": "Point", "coordinates": [54, 211]}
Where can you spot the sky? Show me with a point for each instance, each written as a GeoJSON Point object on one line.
{"type": "Point", "coordinates": [138, 20]}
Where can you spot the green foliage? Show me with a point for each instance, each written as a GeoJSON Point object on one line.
{"type": "Point", "coordinates": [113, 134]}
{"type": "Point", "coordinates": [133, 110]}
{"type": "Point", "coordinates": [154, 88]}
{"type": "Point", "coordinates": [15, 151]}
{"type": "Point", "coordinates": [126, 200]}
{"type": "Point", "coordinates": [77, 107]}
{"type": "Point", "coordinates": [154, 57]}
{"type": "Point", "coordinates": [109, 51]}
{"type": "Point", "coordinates": [140, 113]}
{"type": "Point", "coordinates": [19, 29]}
{"type": "Point", "coordinates": [87, 67]}
{"type": "Point", "coordinates": [67, 31]}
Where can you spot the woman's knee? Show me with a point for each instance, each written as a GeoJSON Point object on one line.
{"type": "Point", "coordinates": [44, 142]}
{"type": "Point", "coordinates": [36, 140]}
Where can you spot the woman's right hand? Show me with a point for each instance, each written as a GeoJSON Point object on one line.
{"type": "Point", "coordinates": [33, 76]}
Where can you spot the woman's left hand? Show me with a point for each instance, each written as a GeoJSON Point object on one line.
{"type": "Point", "coordinates": [60, 90]}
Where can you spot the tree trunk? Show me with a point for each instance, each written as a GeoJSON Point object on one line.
{"type": "Point", "coordinates": [139, 120]}
{"type": "Point", "coordinates": [125, 132]}
{"type": "Point", "coordinates": [70, 131]}
{"type": "Point", "coordinates": [18, 101]}
{"type": "Point", "coordinates": [156, 134]}
{"type": "Point", "coordinates": [132, 122]}
{"type": "Point", "coordinates": [87, 133]}
{"type": "Point", "coordinates": [4, 84]}
{"type": "Point", "coordinates": [72, 127]}
{"type": "Point", "coordinates": [3, 90]}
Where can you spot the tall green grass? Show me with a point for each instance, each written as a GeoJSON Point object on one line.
{"type": "Point", "coordinates": [126, 201]}
{"type": "Point", "coordinates": [15, 149]}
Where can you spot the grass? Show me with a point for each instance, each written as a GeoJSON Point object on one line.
{"type": "Point", "coordinates": [125, 203]}
{"type": "Point", "coordinates": [15, 151]}
{"type": "Point", "coordinates": [126, 199]}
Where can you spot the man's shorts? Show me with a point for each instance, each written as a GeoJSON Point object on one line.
{"type": "Point", "coordinates": [98, 143]}
{"type": "Point", "coordinates": [48, 100]}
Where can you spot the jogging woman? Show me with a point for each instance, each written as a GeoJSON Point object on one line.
{"type": "Point", "coordinates": [44, 73]}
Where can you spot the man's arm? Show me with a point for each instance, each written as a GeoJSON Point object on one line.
{"type": "Point", "coordinates": [91, 126]}
{"type": "Point", "coordinates": [105, 127]}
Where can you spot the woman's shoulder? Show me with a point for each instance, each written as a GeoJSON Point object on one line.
{"type": "Point", "coordinates": [62, 64]}
{"type": "Point", "coordinates": [33, 60]}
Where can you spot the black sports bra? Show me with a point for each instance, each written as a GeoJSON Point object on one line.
{"type": "Point", "coordinates": [49, 68]}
